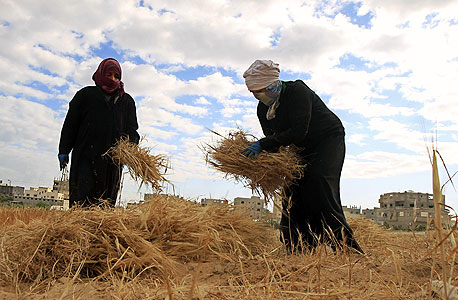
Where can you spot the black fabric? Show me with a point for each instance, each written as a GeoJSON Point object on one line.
{"type": "Point", "coordinates": [301, 119]}
{"type": "Point", "coordinates": [93, 124]}
{"type": "Point", "coordinates": [313, 204]}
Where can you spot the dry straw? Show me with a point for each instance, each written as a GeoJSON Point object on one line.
{"type": "Point", "coordinates": [266, 174]}
{"type": "Point", "coordinates": [143, 166]}
{"type": "Point", "coordinates": [175, 249]}
{"type": "Point", "coordinates": [152, 239]}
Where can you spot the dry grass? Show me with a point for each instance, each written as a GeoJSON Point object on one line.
{"type": "Point", "coordinates": [173, 249]}
{"type": "Point", "coordinates": [143, 166]}
{"type": "Point", "coordinates": [266, 174]}
{"type": "Point", "coordinates": [152, 239]}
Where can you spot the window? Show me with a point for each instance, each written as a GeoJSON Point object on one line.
{"type": "Point", "coordinates": [401, 214]}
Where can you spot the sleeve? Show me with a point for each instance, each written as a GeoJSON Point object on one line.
{"type": "Point", "coordinates": [71, 125]}
{"type": "Point", "coordinates": [299, 110]}
{"type": "Point", "coordinates": [132, 124]}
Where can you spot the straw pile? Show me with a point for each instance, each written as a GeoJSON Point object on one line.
{"type": "Point", "coordinates": [397, 265]}
{"type": "Point", "coordinates": [266, 174]}
{"type": "Point", "coordinates": [143, 166]}
{"type": "Point", "coordinates": [151, 239]}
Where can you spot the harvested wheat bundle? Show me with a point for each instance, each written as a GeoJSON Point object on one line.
{"type": "Point", "coordinates": [266, 174]}
{"type": "Point", "coordinates": [152, 239]}
{"type": "Point", "coordinates": [143, 166]}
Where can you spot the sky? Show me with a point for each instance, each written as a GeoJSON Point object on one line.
{"type": "Point", "coordinates": [388, 69]}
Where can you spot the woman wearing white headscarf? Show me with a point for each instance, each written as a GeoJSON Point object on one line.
{"type": "Point", "coordinates": [291, 113]}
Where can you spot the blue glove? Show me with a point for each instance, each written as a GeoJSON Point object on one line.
{"type": "Point", "coordinates": [63, 160]}
{"type": "Point", "coordinates": [253, 150]}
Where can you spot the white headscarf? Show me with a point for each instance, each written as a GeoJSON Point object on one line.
{"type": "Point", "coordinates": [260, 74]}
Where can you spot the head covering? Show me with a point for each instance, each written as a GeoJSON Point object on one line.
{"type": "Point", "coordinates": [260, 74]}
{"type": "Point", "coordinates": [108, 85]}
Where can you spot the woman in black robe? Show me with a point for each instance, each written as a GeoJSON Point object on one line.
{"type": "Point", "coordinates": [291, 113]}
{"type": "Point", "coordinates": [97, 118]}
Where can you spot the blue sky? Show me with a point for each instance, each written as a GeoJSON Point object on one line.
{"type": "Point", "coordinates": [388, 69]}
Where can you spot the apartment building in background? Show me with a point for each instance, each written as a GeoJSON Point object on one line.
{"type": "Point", "coordinates": [405, 210]}
{"type": "Point", "coordinates": [10, 190]}
{"type": "Point", "coordinates": [211, 201]}
{"type": "Point", "coordinates": [56, 197]}
{"type": "Point", "coordinates": [255, 206]}
{"type": "Point", "coordinates": [352, 211]}
{"type": "Point", "coordinates": [277, 209]}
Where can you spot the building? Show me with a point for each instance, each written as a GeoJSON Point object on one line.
{"type": "Point", "coordinates": [9, 190]}
{"type": "Point", "coordinates": [56, 197]}
{"type": "Point", "coordinates": [404, 210]}
{"type": "Point", "coordinates": [255, 205]}
{"type": "Point", "coordinates": [61, 186]}
{"type": "Point", "coordinates": [209, 201]}
{"type": "Point", "coordinates": [352, 211]}
{"type": "Point", "coordinates": [277, 209]}
{"type": "Point", "coordinates": [44, 195]}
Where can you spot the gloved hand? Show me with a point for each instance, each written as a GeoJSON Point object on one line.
{"type": "Point", "coordinates": [63, 160]}
{"type": "Point", "coordinates": [253, 150]}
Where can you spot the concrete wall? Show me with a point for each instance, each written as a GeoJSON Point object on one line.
{"type": "Point", "coordinates": [255, 206]}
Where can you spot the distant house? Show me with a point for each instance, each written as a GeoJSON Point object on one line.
{"type": "Point", "coordinates": [277, 209]}
{"type": "Point", "coordinates": [352, 211]}
{"type": "Point", "coordinates": [10, 190]}
{"type": "Point", "coordinates": [210, 201]}
{"type": "Point", "coordinates": [44, 195]}
{"type": "Point", "coordinates": [255, 206]}
{"type": "Point", "coordinates": [404, 209]}
{"type": "Point", "coordinates": [57, 196]}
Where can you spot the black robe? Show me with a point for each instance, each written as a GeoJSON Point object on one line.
{"type": "Point", "coordinates": [304, 120]}
{"type": "Point", "coordinates": [93, 124]}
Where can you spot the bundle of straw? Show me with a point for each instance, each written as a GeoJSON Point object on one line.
{"type": "Point", "coordinates": [143, 167]}
{"type": "Point", "coordinates": [153, 238]}
{"type": "Point", "coordinates": [266, 174]}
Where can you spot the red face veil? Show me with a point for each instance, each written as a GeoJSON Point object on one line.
{"type": "Point", "coordinates": [108, 85]}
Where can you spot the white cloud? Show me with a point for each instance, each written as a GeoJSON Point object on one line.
{"type": "Point", "coordinates": [153, 116]}
{"type": "Point", "coordinates": [29, 124]}
{"type": "Point", "coordinates": [358, 138]}
{"type": "Point", "coordinates": [379, 164]}
{"type": "Point", "coordinates": [399, 134]}
{"type": "Point", "coordinates": [202, 101]}
{"type": "Point", "coordinates": [28, 166]}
